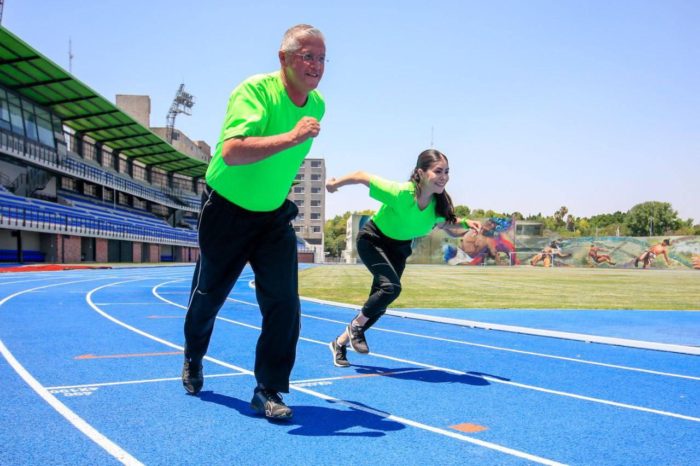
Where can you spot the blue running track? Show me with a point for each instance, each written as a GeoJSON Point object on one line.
{"type": "Point", "coordinates": [91, 366]}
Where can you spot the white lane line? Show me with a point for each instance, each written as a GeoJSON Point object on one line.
{"type": "Point", "coordinates": [649, 345]}
{"type": "Point", "coordinates": [505, 382]}
{"type": "Point", "coordinates": [132, 382]}
{"type": "Point", "coordinates": [499, 348]}
{"type": "Point", "coordinates": [404, 421]}
{"type": "Point", "coordinates": [429, 428]}
{"type": "Point", "coordinates": [530, 353]}
{"type": "Point", "coordinates": [93, 434]}
{"type": "Point", "coordinates": [497, 380]}
{"type": "Point", "coordinates": [133, 304]}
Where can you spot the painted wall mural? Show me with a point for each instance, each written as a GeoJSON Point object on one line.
{"type": "Point", "coordinates": [497, 244]}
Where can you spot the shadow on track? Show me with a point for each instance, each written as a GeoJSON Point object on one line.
{"type": "Point", "coordinates": [427, 375]}
{"type": "Point", "coordinates": [316, 421]}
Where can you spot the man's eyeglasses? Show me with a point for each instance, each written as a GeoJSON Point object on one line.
{"type": "Point", "coordinates": [311, 58]}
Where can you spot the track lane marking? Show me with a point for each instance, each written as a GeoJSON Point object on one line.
{"type": "Point", "coordinates": [495, 379]}
{"type": "Point", "coordinates": [510, 350]}
{"type": "Point", "coordinates": [136, 382]}
{"type": "Point", "coordinates": [313, 393]}
{"type": "Point", "coordinates": [126, 355]}
{"type": "Point", "coordinates": [93, 434]}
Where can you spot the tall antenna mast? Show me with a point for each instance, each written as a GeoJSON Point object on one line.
{"type": "Point", "coordinates": [2, 3]}
{"type": "Point", "coordinates": [70, 54]}
{"type": "Point", "coordinates": [182, 103]}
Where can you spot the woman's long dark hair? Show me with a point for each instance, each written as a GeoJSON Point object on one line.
{"type": "Point", "coordinates": [443, 205]}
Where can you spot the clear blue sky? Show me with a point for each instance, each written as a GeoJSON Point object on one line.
{"type": "Point", "coordinates": [593, 105]}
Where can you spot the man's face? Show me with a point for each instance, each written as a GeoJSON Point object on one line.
{"type": "Point", "coordinates": [304, 67]}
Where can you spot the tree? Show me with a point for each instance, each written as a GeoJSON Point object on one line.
{"type": "Point", "coordinates": [334, 232]}
{"type": "Point", "coordinates": [652, 218]}
{"type": "Point", "coordinates": [559, 216]}
{"type": "Point", "coordinates": [462, 211]}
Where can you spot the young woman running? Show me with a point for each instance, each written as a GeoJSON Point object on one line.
{"type": "Point", "coordinates": [409, 210]}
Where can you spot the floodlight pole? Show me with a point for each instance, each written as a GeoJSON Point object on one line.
{"type": "Point", "coordinates": [182, 103]}
{"type": "Point", "coordinates": [2, 4]}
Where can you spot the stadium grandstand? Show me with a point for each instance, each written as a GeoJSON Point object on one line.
{"type": "Point", "coordinates": [83, 181]}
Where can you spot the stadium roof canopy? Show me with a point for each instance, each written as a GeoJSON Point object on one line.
{"type": "Point", "coordinates": [29, 73]}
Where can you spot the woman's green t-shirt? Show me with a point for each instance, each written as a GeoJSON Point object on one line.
{"type": "Point", "coordinates": [399, 217]}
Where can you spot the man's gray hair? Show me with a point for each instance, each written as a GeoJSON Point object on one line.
{"type": "Point", "coordinates": [290, 41]}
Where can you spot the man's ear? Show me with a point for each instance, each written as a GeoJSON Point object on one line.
{"type": "Point", "coordinates": [283, 57]}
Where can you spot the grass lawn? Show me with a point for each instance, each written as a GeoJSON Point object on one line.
{"type": "Point", "coordinates": [522, 287]}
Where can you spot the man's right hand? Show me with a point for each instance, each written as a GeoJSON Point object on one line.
{"type": "Point", "coordinates": [307, 127]}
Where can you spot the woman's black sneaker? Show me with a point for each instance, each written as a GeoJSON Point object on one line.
{"type": "Point", "coordinates": [340, 354]}
{"type": "Point", "coordinates": [269, 403]}
{"type": "Point", "coordinates": [357, 338]}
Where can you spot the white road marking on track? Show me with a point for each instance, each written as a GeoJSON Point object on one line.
{"type": "Point", "coordinates": [93, 434]}
{"type": "Point", "coordinates": [132, 382]}
{"type": "Point", "coordinates": [530, 353]}
{"type": "Point", "coordinates": [404, 421]}
{"type": "Point", "coordinates": [497, 380]}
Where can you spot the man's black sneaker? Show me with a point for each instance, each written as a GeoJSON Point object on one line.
{"type": "Point", "coordinates": [192, 376]}
{"type": "Point", "coordinates": [340, 354]}
{"type": "Point", "coordinates": [269, 403]}
{"type": "Point", "coordinates": [357, 338]}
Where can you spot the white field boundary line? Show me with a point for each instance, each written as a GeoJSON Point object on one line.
{"type": "Point", "coordinates": [510, 350]}
{"type": "Point", "coordinates": [93, 434]}
{"type": "Point", "coordinates": [408, 422]}
{"type": "Point", "coordinates": [650, 345]}
{"type": "Point", "coordinates": [514, 384]}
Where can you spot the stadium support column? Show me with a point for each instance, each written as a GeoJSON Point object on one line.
{"type": "Point", "coordinates": [115, 160]}
{"type": "Point", "coordinates": [79, 144]}
{"type": "Point", "coordinates": [98, 153]}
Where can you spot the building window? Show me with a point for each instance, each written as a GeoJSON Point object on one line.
{"type": "Point", "coordinates": [315, 203]}
{"type": "Point", "coordinates": [298, 190]}
{"type": "Point", "coordinates": [315, 163]}
{"type": "Point", "coordinates": [315, 216]}
{"type": "Point", "coordinates": [316, 229]}
{"type": "Point", "coordinates": [300, 176]}
{"type": "Point", "coordinates": [299, 202]}
{"type": "Point", "coordinates": [315, 177]}
{"type": "Point", "coordinates": [315, 190]}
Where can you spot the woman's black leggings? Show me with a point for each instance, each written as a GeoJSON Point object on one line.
{"type": "Point", "coordinates": [386, 259]}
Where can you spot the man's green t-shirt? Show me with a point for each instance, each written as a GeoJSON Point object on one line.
{"type": "Point", "coordinates": [399, 217]}
{"type": "Point", "coordinates": [260, 106]}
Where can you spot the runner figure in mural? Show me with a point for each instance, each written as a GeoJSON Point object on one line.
{"type": "Point", "coordinates": [409, 210]}
{"type": "Point", "coordinates": [647, 257]}
{"type": "Point", "coordinates": [548, 254]}
{"type": "Point", "coordinates": [477, 245]}
{"type": "Point", "coordinates": [599, 258]}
